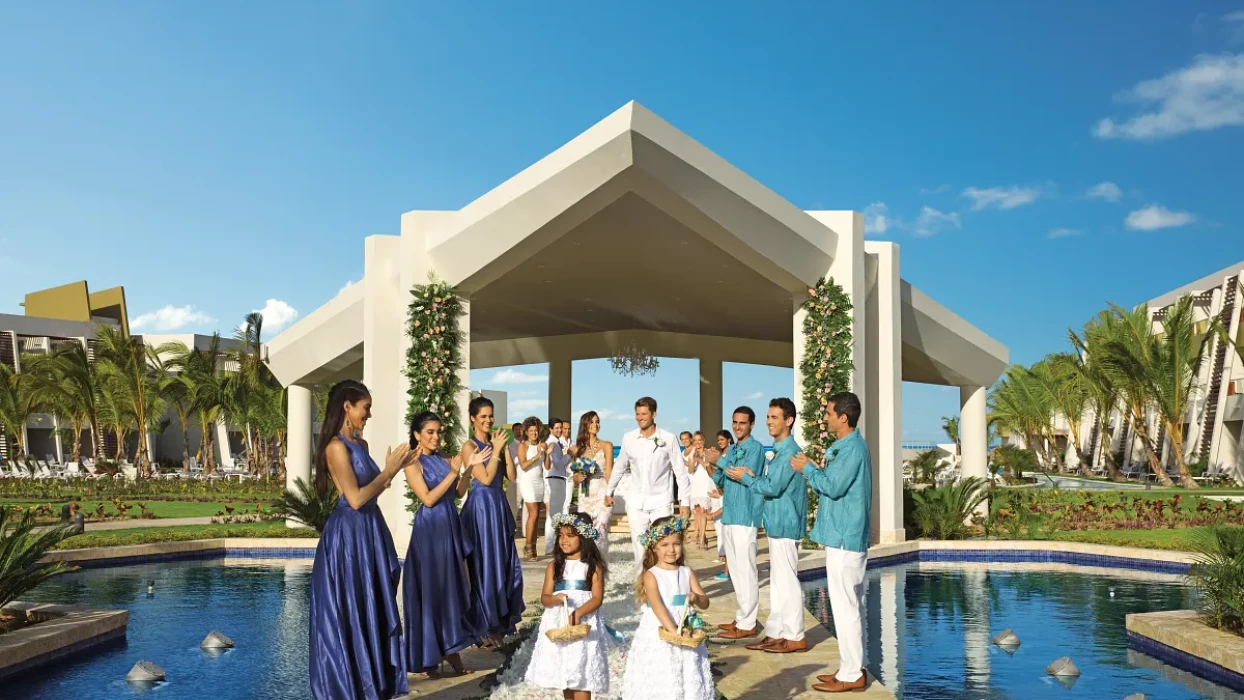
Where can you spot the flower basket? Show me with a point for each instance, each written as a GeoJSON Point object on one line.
{"type": "Point", "coordinates": [567, 632]}
{"type": "Point", "coordinates": [690, 632]}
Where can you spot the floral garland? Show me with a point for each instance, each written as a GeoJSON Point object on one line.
{"type": "Point", "coordinates": [433, 361]}
{"type": "Point", "coordinates": [826, 366]}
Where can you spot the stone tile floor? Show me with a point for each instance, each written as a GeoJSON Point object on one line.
{"type": "Point", "coordinates": [748, 675]}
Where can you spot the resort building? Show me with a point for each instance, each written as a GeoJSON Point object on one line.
{"type": "Point", "coordinates": [598, 235]}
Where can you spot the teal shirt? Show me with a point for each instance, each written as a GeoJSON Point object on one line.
{"type": "Point", "coordinates": [785, 496]}
{"type": "Point", "coordinates": [845, 484]}
{"type": "Point", "coordinates": [740, 505]}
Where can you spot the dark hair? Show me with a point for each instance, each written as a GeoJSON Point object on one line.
{"type": "Point", "coordinates": [687, 433]}
{"type": "Point", "coordinates": [514, 428]}
{"type": "Point", "coordinates": [747, 411]}
{"type": "Point", "coordinates": [531, 420]}
{"type": "Point", "coordinates": [847, 404]}
{"type": "Point", "coordinates": [650, 559]}
{"type": "Point", "coordinates": [787, 406]}
{"type": "Point", "coordinates": [478, 404]}
{"type": "Point", "coordinates": [342, 393]}
{"type": "Point", "coordinates": [727, 435]}
{"type": "Point", "coordinates": [589, 553]}
{"type": "Point", "coordinates": [554, 422]}
{"type": "Point", "coordinates": [417, 424]}
{"type": "Point", "coordinates": [647, 402]}
{"type": "Point", "coordinates": [582, 438]}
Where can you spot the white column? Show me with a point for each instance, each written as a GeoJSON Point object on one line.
{"type": "Point", "coordinates": [298, 427]}
{"type": "Point", "coordinates": [848, 271]}
{"type": "Point", "coordinates": [560, 387]}
{"type": "Point", "coordinates": [60, 448]}
{"type": "Point", "coordinates": [710, 399]}
{"type": "Point", "coordinates": [222, 442]}
{"type": "Point", "coordinates": [882, 394]}
{"type": "Point", "coordinates": [972, 432]}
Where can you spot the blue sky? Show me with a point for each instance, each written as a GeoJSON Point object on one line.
{"type": "Point", "coordinates": [1033, 161]}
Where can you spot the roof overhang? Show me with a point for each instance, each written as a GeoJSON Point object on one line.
{"type": "Point", "coordinates": [321, 345]}
{"type": "Point", "coordinates": [939, 347]}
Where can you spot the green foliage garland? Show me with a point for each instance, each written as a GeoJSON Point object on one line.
{"type": "Point", "coordinates": [826, 366]}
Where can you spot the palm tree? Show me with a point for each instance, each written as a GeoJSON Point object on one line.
{"type": "Point", "coordinates": [176, 391]}
{"type": "Point", "coordinates": [950, 424]}
{"type": "Point", "coordinates": [1020, 404]}
{"type": "Point", "coordinates": [1103, 395]}
{"type": "Point", "coordinates": [128, 368]}
{"type": "Point", "coordinates": [17, 404]}
{"type": "Point", "coordinates": [924, 467]}
{"type": "Point", "coordinates": [79, 381]}
{"type": "Point", "coordinates": [199, 371]}
{"type": "Point", "coordinates": [1069, 392]}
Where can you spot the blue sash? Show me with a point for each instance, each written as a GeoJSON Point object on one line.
{"type": "Point", "coordinates": [580, 584]}
{"type": "Point", "coordinates": [678, 599]}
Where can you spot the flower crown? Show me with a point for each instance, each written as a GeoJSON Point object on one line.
{"type": "Point", "coordinates": [657, 533]}
{"type": "Point", "coordinates": [584, 529]}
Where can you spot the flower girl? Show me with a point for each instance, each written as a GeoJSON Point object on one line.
{"type": "Point", "coordinates": [568, 657]}
{"type": "Point", "coordinates": [657, 669]}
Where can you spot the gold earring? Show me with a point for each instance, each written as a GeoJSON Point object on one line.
{"type": "Point", "coordinates": [349, 427]}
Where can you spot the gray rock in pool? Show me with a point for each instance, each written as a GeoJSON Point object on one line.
{"type": "Point", "coordinates": [145, 672]}
{"type": "Point", "coordinates": [216, 640]}
{"type": "Point", "coordinates": [1062, 667]}
{"type": "Point", "coordinates": [1006, 638]}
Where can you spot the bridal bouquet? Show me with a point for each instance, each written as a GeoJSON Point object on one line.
{"type": "Point", "coordinates": [587, 467]}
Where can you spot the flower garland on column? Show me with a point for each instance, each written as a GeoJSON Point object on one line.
{"type": "Point", "coordinates": [826, 365]}
{"type": "Point", "coordinates": [434, 357]}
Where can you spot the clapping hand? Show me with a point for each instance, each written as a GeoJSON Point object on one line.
{"type": "Point", "coordinates": [458, 467]}
{"type": "Point", "coordinates": [397, 458]}
{"type": "Point", "coordinates": [573, 450]}
{"type": "Point", "coordinates": [479, 457]}
{"type": "Point", "coordinates": [500, 438]}
{"type": "Point", "coordinates": [713, 455]}
{"type": "Point", "coordinates": [736, 473]}
{"type": "Point", "coordinates": [799, 461]}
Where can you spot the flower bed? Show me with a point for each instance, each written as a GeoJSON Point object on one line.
{"type": "Point", "coordinates": [1031, 512]}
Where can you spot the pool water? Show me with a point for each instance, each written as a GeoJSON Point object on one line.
{"type": "Point", "coordinates": [930, 624]}
{"type": "Point", "coordinates": [261, 605]}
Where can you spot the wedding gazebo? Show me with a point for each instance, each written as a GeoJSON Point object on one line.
{"type": "Point", "coordinates": [586, 252]}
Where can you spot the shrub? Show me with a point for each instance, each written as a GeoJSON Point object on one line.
{"type": "Point", "coordinates": [943, 512]}
{"type": "Point", "coordinates": [21, 548]}
{"type": "Point", "coordinates": [306, 505]}
{"type": "Point", "coordinates": [1218, 574]}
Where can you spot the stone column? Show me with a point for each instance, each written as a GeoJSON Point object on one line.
{"type": "Point", "coordinates": [710, 399]}
{"type": "Point", "coordinates": [882, 394]}
{"type": "Point", "coordinates": [973, 433]}
{"type": "Point", "coordinates": [298, 453]}
{"type": "Point", "coordinates": [561, 377]}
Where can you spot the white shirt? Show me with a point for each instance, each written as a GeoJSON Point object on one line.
{"type": "Point", "coordinates": [652, 461]}
{"type": "Point", "coordinates": [558, 459]}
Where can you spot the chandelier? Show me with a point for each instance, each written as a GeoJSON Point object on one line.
{"type": "Point", "coordinates": [631, 360]}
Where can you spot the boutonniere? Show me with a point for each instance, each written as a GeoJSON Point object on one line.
{"type": "Point", "coordinates": [832, 456]}
{"type": "Point", "coordinates": [657, 444]}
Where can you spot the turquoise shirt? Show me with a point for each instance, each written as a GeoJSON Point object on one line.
{"type": "Point", "coordinates": [845, 484]}
{"type": "Point", "coordinates": [785, 497]}
{"type": "Point", "coordinates": [740, 505]}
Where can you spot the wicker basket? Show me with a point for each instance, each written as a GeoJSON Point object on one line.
{"type": "Point", "coordinates": [568, 632]}
{"type": "Point", "coordinates": [690, 638]}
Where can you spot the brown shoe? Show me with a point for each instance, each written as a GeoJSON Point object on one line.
{"type": "Point", "coordinates": [727, 626]}
{"type": "Point", "coordinates": [827, 677]}
{"type": "Point", "coordinates": [763, 645]}
{"type": "Point", "coordinates": [786, 646]}
{"type": "Point", "coordinates": [837, 686]}
{"type": "Point", "coordinates": [736, 633]}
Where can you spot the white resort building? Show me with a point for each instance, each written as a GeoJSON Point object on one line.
{"type": "Point", "coordinates": [597, 236]}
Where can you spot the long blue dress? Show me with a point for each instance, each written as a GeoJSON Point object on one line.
{"type": "Point", "coordinates": [496, 573]}
{"type": "Point", "coordinates": [355, 635]}
{"type": "Point", "coordinates": [436, 589]}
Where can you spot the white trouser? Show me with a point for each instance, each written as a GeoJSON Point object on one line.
{"type": "Point", "coordinates": [844, 571]}
{"type": "Point", "coordinates": [740, 545]}
{"type": "Point", "coordinates": [785, 593]}
{"type": "Point", "coordinates": [555, 498]}
{"type": "Point", "coordinates": [639, 520]}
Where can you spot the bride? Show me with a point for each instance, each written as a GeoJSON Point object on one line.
{"type": "Point", "coordinates": [592, 489]}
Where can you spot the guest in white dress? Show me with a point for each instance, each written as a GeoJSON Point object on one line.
{"type": "Point", "coordinates": [702, 488]}
{"type": "Point", "coordinates": [532, 461]}
{"type": "Point", "coordinates": [656, 669]}
{"type": "Point", "coordinates": [574, 588]}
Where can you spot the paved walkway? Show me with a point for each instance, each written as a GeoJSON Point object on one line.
{"type": "Point", "coordinates": [747, 675]}
{"type": "Point", "coordinates": [138, 522]}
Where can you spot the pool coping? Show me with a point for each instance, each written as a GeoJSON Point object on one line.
{"type": "Point", "coordinates": [1179, 638]}
{"type": "Point", "coordinates": [74, 630]}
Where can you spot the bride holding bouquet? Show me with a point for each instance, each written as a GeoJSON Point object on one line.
{"type": "Point", "coordinates": [590, 470]}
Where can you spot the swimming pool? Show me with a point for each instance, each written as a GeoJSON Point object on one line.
{"type": "Point", "coordinates": [930, 624]}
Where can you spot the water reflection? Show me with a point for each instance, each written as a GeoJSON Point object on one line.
{"type": "Point", "coordinates": [929, 628]}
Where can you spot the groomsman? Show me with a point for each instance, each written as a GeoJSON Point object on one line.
{"type": "Point", "coordinates": [785, 519]}
{"type": "Point", "coordinates": [555, 491]}
{"type": "Point", "coordinates": [740, 516]}
{"type": "Point", "coordinates": [845, 483]}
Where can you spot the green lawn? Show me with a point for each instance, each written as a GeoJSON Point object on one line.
{"type": "Point", "coordinates": [147, 535]}
{"type": "Point", "coordinates": [1175, 539]}
{"type": "Point", "coordinates": [161, 509]}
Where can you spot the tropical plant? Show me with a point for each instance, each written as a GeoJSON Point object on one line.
{"type": "Point", "coordinates": [1014, 461]}
{"type": "Point", "coordinates": [17, 404]}
{"type": "Point", "coordinates": [127, 368]}
{"type": "Point", "coordinates": [944, 512]}
{"type": "Point", "coordinates": [1218, 574]}
{"type": "Point", "coordinates": [1103, 395]}
{"type": "Point", "coordinates": [1021, 404]}
{"type": "Point", "coordinates": [21, 549]}
{"type": "Point", "coordinates": [950, 424]}
{"type": "Point", "coordinates": [924, 467]}
{"type": "Point", "coordinates": [1069, 393]}
{"type": "Point", "coordinates": [306, 505]}
{"type": "Point", "coordinates": [199, 371]}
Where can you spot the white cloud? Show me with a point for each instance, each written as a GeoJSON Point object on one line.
{"type": "Point", "coordinates": [1000, 197]}
{"type": "Point", "coordinates": [1205, 95]}
{"type": "Point", "coordinates": [528, 405]}
{"type": "Point", "coordinates": [1156, 216]}
{"type": "Point", "coordinates": [875, 218]}
{"type": "Point", "coordinates": [513, 376]}
{"type": "Point", "coordinates": [932, 221]}
{"type": "Point", "coordinates": [755, 396]}
{"type": "Point", "coordinates": [170, 318]}
{"type": "Point", "coordinates": [1105, 190]}
{"type": "Point", "coordinates": [1065, 232]}
{"type": "Point", "coordinates": [276, 315]}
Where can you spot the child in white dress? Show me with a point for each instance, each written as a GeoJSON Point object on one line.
{"type": "Point", "coordinates": [656, 669]}
{"type": "Point", "coordinates": [574, 588]}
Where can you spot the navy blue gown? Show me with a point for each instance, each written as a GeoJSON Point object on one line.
{"type": "Point", "coordinates": [496, 573]}
{"type": "Point", "coordinates": [355, 630]}
{"type": "Point", "coordinates": [436, 589]}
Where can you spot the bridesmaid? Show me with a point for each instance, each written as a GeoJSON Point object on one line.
{"type": "Point", "coordinates": [356, 650]}
{"type": "Point", "coordinates": [436, 590]}
{"type": "Point", "coordinates": [488, 526]}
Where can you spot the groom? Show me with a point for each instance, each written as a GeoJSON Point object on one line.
{"type": "Point", "coordinates": [652, 456]}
